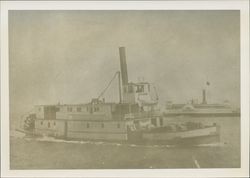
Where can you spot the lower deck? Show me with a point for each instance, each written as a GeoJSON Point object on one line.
{"type": "Point", "coordinates": [81, 129]}
{"type": "Point", "coordinates": [135, 131]}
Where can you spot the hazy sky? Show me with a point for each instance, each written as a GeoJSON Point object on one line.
{"type": "Point", "coordinates": [70, 56]}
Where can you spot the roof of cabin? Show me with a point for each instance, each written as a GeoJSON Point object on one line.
{"type": "Point", "coordinates": [83, 104]}
{"type": "Point", "coordinates": [138, 83]}
{"type": "Point", "coordinates": [178, 106]}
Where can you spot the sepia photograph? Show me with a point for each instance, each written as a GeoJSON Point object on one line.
{"type": "Point", "coordinates": [124, 89]}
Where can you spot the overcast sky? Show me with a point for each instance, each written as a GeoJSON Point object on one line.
{"type": "Point", "coordinates": [70, 56]}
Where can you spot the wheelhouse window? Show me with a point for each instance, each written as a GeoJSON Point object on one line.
{"type": "Point", "coordinates": [41, 122]}
{"type": "Point", "coordinates": [118, 125]}
{"type": "Point", "coordinates": [87, 125]}
{"type": "Point", "coordinates": [48, 124]}
{"type": "Point", "coordinates": [140, 88]}
{"type": "Point", "coordinates": [102, 125]}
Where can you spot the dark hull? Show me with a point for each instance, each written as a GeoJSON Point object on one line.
{"type": "Point", "coordinates": [182, 142]}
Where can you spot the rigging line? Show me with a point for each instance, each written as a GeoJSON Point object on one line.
{"type": "Point", "coordinates": [107, 85]}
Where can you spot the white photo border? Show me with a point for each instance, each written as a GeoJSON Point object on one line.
{"type": "Point", "coordinates": [242, 5]}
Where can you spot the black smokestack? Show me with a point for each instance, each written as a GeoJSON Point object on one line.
{"type": "Point", "coordinates": [123, 64]}
{"type": "Point", "coordinates": [204, 100]}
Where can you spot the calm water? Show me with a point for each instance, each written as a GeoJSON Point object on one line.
{"type": "Point", "coordinates": [48, 153]}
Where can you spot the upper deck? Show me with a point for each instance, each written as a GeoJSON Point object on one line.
{"type": "Point", "coordinates": [89, 111]}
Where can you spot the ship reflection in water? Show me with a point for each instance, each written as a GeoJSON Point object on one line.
{"type": "Point", "coordinates": [49, 153]}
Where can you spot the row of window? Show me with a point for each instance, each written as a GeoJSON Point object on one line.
{"type": "Point", "coordinates": [154, 121]}
{"type": "Point", "coordinates": [102, 125]}
{"type": "Point", "coordinates": [88, 109]}
{"type": "Point", "coordinates": [48, 124]}
{"type": "Point", "coordinates": [79, 109]}
{"type": "Point", "coordinates": [87, 125]}
{"type": "Point", "coordinates": [138, 89]}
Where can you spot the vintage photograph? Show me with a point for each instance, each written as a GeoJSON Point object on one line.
{"type": "Point", "coordinates": [124, 89]}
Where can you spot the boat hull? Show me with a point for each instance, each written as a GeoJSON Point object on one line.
{"type": "Point", "coordinates": [77, 130]}
{"type": "Point", "coordinates": [208, 139]}
{"type": "Point", "coordinates": [191, 137]}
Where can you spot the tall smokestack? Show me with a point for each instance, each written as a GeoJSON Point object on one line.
{"type": "Point", "coordinates": [123, 64]}
{"type": "Point", "coordinates": [204, 100]}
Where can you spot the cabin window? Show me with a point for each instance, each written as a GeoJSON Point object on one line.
{"type": "Point", "coordinates": [78, 109]}
{"type": "Point", "coordinates": [161, 121]}
{"type": "Point", "coordinates": [153, 121]}
{"type": "Point", "coordinates": [137, 89]}
{"type": "Point", "coordinates": [41, 122]}
{"type": "Point", "coordinates": [118, 125]}
{"type": "Point", "coordinates": [102, 125]}
{"type": "Point", "coordinates": [54, 123]}
{"type": "Point", "coordinates": [90, 109]}
{"type": "Point", "coordinates": [48, 124]}
{"type": "Point", "coordinates": [96, 109]}
{"type": "Point", "coordinates": [69, 109]}
{"type": "Point", "coordinates": [149, 88]}
{"type": "Point", "coordinates": [87, 125]}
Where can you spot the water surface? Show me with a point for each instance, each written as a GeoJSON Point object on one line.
{"type": "Point", "coordinates": [48, 153]}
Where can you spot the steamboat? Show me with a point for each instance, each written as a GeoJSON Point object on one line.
{"type": "Point", "coordinates": [203, 109]}
{"type": "Point", "coordinates": [136, 118]}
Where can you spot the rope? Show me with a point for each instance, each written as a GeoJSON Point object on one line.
{"type": "Point", "coordinates": [107, 85]}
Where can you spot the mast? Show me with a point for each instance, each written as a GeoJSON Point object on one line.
{"type": "Point", "coordinates": [123, 74]}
